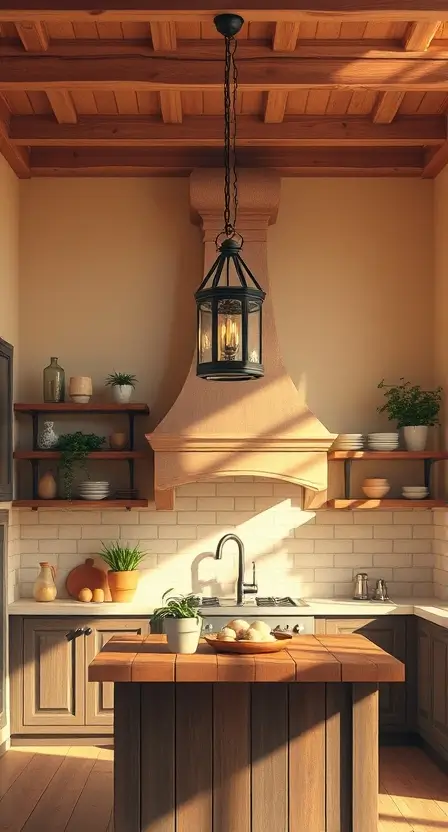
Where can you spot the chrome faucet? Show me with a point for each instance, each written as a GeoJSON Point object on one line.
{"type": "Point", "coordinates": [241, 586]}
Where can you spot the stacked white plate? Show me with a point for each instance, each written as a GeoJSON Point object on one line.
{"type": "Point", "coordinates": [383, 441]}
{"type": "Point", "coordinates": [348, 442]}
{"type": "Point", "coordinates": [91, 490]}
{"type": "Point", "coordinates": [414, 492]}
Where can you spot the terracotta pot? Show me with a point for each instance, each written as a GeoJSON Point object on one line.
{"type": "Point", "coordinates": [118, 441]}
{"type": "Point", "coordinates": [122, 585]}
{"type": "Point", "coordinates": [47, 487]}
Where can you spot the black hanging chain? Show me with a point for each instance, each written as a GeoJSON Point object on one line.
{"type": "Point", "coordinates": [230, 105]}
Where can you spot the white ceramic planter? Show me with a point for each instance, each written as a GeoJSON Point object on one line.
{"type": "Point", "coordinates": [122, 393]}
{"type": "Point", "coordinates": [182, 634]}
{"type": "Point", "coordinates": [415, 437]}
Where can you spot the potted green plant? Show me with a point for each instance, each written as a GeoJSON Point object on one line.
{"type": "Point", "coordinates": [122, 386]}
{"type": "Point", "coordinates": [413, 409]}
{"type": "Point", "coordinates": [123, 562]}
{"type": "Point", "coordinates": [182, 621]}
{"type": "Point", "coordinates": [74, 449]}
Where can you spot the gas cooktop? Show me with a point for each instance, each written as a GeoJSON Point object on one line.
{"type": "Point", "coordinates": [270, 601]}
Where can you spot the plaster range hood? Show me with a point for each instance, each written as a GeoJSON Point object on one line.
{"type": "Point", "coordinates": [259, 428]}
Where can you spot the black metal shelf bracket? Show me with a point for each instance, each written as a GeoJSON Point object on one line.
{"type": "Point", "coordinates": [427, 469]}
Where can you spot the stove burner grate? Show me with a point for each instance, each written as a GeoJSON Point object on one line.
{"type": "Point", "coordinates": [275, 602]}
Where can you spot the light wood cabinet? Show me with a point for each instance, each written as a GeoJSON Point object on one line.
{"type": "Point", "coordinates": [433, 685]}
{"type": "Point", "coordinates": [50, 692]}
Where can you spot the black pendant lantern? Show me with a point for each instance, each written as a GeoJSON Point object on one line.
{"type": "Point", "coordinates": [229, 299]}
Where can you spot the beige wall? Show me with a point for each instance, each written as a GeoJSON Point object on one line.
{"type": "Point", "coordinates": [351, 265]}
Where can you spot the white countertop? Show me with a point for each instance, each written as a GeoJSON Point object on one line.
{"type": "Point", "coordinates": [432, 609]}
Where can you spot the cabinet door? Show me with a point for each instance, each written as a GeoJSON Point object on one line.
{"type": "Point", "coordinates": [100, 695]}
{"type": "Point", "coordinates": [439, 672]}
{"type": "Point", "coordinates": [53, 673]}
{"type": "Point", "coordinates": [424, 673]}
{"type": "Point", "coordinates": [389, 634]}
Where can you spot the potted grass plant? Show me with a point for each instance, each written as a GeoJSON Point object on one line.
{"type": "Point", "coordinates": [122, 385]}
{"type": "Point", "coordinates": [182, 621]}
{"type": "Point", "coordinates": [123, 562]}
{"type": "Point", "coordinates": [413, 409]}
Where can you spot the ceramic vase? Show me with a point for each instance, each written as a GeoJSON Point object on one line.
{"type": "Point", "coordinates": [80, 389]}
{"type": "Point", "coordinates": [118, 441]}
{"type": "Point", "coordinates": [48, 439]}
{"type": "Point", "coordinates": [122, 585]}
{"type": "Point", "coordinates": [182, 634]}
{"type": "Point", "coordinates": [415, 437]}
{"type": "Point", "coordinates": [47, 487]}
{"type": "Point", "coordinates": [122, 393]}
{"type": "Point", "coordinates": [44, 588]}
{"type": "Point", "coordinates": [54, 382]}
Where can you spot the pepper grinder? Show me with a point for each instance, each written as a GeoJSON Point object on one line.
{"type": "Point", "coordinates": [361, 589]}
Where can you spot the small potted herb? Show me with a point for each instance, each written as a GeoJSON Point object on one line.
{"type": "Point", "coordinates": [122, 386]}
{"type": "Point", "coordinates": [413, 409]}
{"type": "Point", "coordinates": [182, 621]}
{"type": "Point", "coordinates": [123, 562]}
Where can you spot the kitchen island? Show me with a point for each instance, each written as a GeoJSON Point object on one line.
{"type": "Point", "coordinates": [228, 743]}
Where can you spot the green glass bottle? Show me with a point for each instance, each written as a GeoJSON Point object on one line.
{"type": "Point", "coordinates": [54, 382]}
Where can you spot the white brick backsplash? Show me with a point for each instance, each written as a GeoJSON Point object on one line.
{"type": "Point", "coordinates": [340, 575]}
{"type": "Point", "coordinates": [216, 504]}
{"type": "Point", "coordinates": [353, 532]}
{"type": "Point", "coordinates": [422, 560]}
{"type": "Point", "coordinates": [178, 532]}
{"type": "Point", "coordinates": [314, 532]}
{"type": "Point", "coordinates": [334, 518]}
{"type": "Point", "coordinates": [441, 577]}
{"type": "Point", "coordinates": [197, 489]}
{"type": "Point", "coordinates": [335, 547]}
{"type": "Point", "coordinates": [418, 546]}
{"type": "Point", "coordinates": [196, 518]}
{"type": "Point", "coordinates": [68, 561]}
{"type": "Point", "coordinates": [28, 547]}
{"type": "Point", "coordinates": [417, 517]}
{"type": "Point", "coordinates": [159, 547]}
{"type": "Point", "coordinates": [237, 518]}
{"type": "Point", "coordinates": [27, 517]}
{"type": "Point", "coordinates": [38, 532]}
{"type": "Point", "coordinates": [101, 532]}
{"type": "Point", "coordinates": [62, 517]}
{"type": "Point", "coordinates": [396, 560]}
{"type": "Point", "coordinates": [423, 532]}
{"type": "Point", "coordinates": [29, 574]}
{"type": "Point", "coordinates": [153, 518]}
{"type": "Point", "coordinates": [134, 533]}
{"type": "Point", "coordinates": [29, 560]}
{"type": "Point", "coordinates": [399, 589]}
{"type": "Point", "coordinates": [182, 504]}
{"type": "Point", "coordinates": [244, 503]}
{"type": "Point", "coordinates": [305, 575]}
{"type": "Point", "coordinates": [392, 532]}
{"type": "Point", "coordinates": [121, 518]}
{"type": "Point", "coordinates": [89, 547]}
{"type": "Point", "coordinates": [70, 532]}
{"type": "Point", "coordinates": [372, 546]}
{"type": "Point", "coordinates": [378, 518]}
{"type": "Point", "coordinates": [441, 532]}
{"type": "Point", "coordinates": [357, 562]}
{"type": "Point", "coordinates": [316, 561]}
{"type": "Point", "coordinates": [56, 547]}
{"type": "Point", "coordinates": [267, 503]}
{"type": "Point", "coordinates": [423, 589]}
{"type": "Point", "coordinates": [377, 572]}
{"type": "Point", "coordinates": [413, 574]}
{"type": "Point", "coordinates": [249, 489]}
{"type": "Point", "coordinates": [343, 589]}
{"type": "Point", "coordinates": [299, 547]}
{"type": "Point", "coordinates": [317, 590]}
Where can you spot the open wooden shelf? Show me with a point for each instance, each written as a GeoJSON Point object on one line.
{"type": "Point", "coordinates": [85, 504]}
{"type": "Point", "coordinates": [385, 504]}
{"type": "Point", "coordinates": [71, 407]}
{"type": "Point", "coordinates": [114, 455]}
{"type": "Point", "coordinates": [391, 455]}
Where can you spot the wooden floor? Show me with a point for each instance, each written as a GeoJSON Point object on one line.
{"type": "Point", "coordinates": [55, 789]}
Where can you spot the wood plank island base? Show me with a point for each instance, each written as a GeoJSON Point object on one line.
{"type": "Point", "coordinates": [286, 742]}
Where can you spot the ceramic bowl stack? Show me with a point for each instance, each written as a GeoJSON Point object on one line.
{"type": "Point", "coordinates": [91, 490]}
{"type": "Point", "coordinates": [348, 442]}
{"type": "Point", "coordinates": [375, 488]}
{"type": "Point", "coordinates": [383, 441]}
{"type": "Point", "coordinates": [415, 492]}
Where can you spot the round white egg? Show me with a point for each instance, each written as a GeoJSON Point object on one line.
{"type": "Point", "coordinates": [239, 626]}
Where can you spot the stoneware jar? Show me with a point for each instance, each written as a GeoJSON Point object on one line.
{"type": "Point", "coordinates": [415, 437]}
{"type": "Point", "coordinates": [45, 588]}
{"type": "Point", "coordinates": [80, 389]}
{"type": "Point", "coordinates": [48, 438]}
{"type": "Point", "coordinates": [182, 634]}
{"type": "Point", "coordinates": [118, 441]}
{"type": "Point", "coordinates": [47, 487]}
{"type": "Point", "coordinates": [122, 393]}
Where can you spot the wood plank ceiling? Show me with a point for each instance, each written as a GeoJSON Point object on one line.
{"type": "Point", "coordinates": [331, 88]}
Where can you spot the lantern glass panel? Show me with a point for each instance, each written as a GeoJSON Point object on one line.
{"type": "Point", "coordinates": [205, 332]}
{"type": "Point", "coordinates": [229, 330]}
{"type": "Point", "coordinates": [254, 333]}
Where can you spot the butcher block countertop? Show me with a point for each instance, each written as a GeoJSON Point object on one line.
{"type": "Point", "coordinates": [330, 658]}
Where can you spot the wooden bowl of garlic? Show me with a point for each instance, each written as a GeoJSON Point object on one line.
{"type": "Point", "coordinates": [239, 636]}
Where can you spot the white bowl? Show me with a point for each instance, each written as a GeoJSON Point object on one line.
{"type": "Point", "coordinates": [383, 435]}
{"type": "Point", "coordinates": [96, 497]}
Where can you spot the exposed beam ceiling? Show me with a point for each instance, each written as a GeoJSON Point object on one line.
{"type": "Point", "coordinates": [156, 73]}
{"type": "Point", "coordinates": [419, 35]}
{"type": "Point", "coordinates": [201, 131]}
{"type": "Point", "coordinates": [62, 106]}
{"type": "Point", "coordinates": [204, 9]}
{"type": "Point", "coordinates": [17, 157]}
{"type": "Point", "coordinates": [33, 36]}
{"type": "Point", "coordinates": [387, 107]}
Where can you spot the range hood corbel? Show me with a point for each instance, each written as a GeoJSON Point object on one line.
{"type": "Point", "coordinates": [262, 428]}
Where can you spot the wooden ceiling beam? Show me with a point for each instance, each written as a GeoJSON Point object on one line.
{"type": "Point", "coordinates": [171, 106]}
{"type": "Point", "coordinates": [33, 35]}
{"type": "Point", "coordinates": [29, 73]}
{"type": "Point", "coordinates": [63, 107]}
{"type": "Point", "coordinates": [261, 10]}
{"type": "Point", "coordinates": [285, 36]}
{"type": "Point", "coordinates": [163, 36]}
{"type": "Point", "coordinates": [206, 131]}
{"type": "Point", "coordinates": [17, 157]}
{"type": "Point", "coordinates": [435, 162]}
{"type": "Point", "coordinates": [419, 36]}
{"type": "Point", "coordinates": [275, 109]}
{"type": "Point", "coordinates": [163, 162]}
{"type": "Point", "coordinates": [387, 107]}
